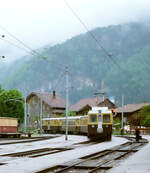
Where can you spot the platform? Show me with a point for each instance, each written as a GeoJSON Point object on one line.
{"type": "Point", "coordinates": [137, 163]}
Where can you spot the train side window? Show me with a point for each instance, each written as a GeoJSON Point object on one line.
{"type": "Point", "coordinates": [93, 118]}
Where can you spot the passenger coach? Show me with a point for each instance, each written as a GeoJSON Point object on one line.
{"type": "Point", "coordinates": [97, 124]}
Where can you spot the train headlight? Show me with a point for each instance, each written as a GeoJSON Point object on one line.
{"type": "Point", "coordinates": [99, 130]}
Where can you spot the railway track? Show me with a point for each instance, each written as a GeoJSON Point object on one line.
{"type": "Point", "coordinates": [4, 158]}
{"type": "Point", "coordinates": [37, 152]}
{"type": "Point", "coordinates": [46, 151]}
{"type": "Point", "coordinates": [98, 162]}
{"type": "Point", "coordinates": [35, 139]}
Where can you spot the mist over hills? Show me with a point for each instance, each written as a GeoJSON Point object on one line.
{"type": "Point", "coordinates": [90, 68]}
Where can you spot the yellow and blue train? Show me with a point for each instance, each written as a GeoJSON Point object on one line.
{"type": "Point", "coordinates": [97, 124]}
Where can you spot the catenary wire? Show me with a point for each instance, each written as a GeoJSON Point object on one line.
{"type": "Point", "coordinates": [29, 48]}
{"type": "Point", "coordinates": [33, 52]}
{"type": "Point", "coordinates": [15, 45]}
{"type": "Point", "coordinates": [91, 34]}
{"type": "Point", "coordinates": [56, 63]}
{"type": "Point", "coordinates": [13, 36]}
{"type": "Point", "coordinates": [98, 42]}
{"type": "Point", "coordinates": [30, 52]}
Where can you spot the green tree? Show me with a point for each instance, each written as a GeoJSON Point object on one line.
{"type": "Point", "coordinates": [1, 89]}
{"type": "Point", "coordinates": [12, 104]}
{"type": "Point", "coordinates": [117, 121]}
{"type": "Point", "coordinates": [129, 45]}
{"type": "Point", "coordinates": [145, 111]}
{"type": "Point", "coordinates": [71, 113]}
{"type": "Point", "coordinates": [117, 124]}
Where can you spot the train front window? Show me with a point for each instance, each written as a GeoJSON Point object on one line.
{"type": "Point", "coordinates": [106, 118]}
{"type": "Point", "coordinates": [93, 118]}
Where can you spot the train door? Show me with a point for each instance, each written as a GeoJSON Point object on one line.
{"type": "Point", "coordinates": [99, 128]}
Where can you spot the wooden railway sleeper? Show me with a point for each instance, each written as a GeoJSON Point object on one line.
{"type": "Point", "coordinates": [71, 166]}
{"type": "Point", "coordinates": [99, 166]}
{"type": "Point", "coordinates": [79, 162]}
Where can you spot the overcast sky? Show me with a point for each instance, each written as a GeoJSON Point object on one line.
{"type": "Point", "coordinates": [42, 22]}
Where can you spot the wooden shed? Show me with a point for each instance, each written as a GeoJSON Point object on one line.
{"type": "Point", "coordinates": [8, 125]}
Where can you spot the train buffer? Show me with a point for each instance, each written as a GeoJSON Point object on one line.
{"type": "Point", "coordinates": [28, 134]}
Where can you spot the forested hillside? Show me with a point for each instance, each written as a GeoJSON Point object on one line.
{"type": "Point", "coordinates": [90, 68]}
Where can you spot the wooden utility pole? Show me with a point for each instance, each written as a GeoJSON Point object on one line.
{"type": "Point", "coordinates": [122, 117]}
{"type": "Point", "coordinates": [67, 102]}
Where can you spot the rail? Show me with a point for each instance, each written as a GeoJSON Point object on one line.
{"type": "Point", "coordinates": [99, 161]}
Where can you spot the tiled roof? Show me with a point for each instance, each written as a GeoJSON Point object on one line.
{"type": "Point", "coordinates": [84, 102]}
{"type": "Point", "coordinates": [131, 107]}
{"type": "Point", "coordinates": [57, 101]}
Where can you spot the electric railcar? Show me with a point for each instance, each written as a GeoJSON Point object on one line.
{"type": "Point", "coordinates": [97, 124]}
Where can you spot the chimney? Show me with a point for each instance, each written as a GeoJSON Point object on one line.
{"type": "Point", "coordinates": [54, 94]}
